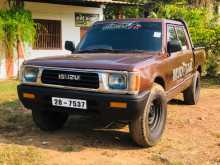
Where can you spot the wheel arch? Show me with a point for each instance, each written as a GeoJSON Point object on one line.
{"type": "Point", "coordinates": [160, 80]}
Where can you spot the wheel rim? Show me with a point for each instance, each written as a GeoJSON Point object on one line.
{"type": "Point", "coordinates": [197, 89]}
{"type": "Point", "coordinates": [154, 115]}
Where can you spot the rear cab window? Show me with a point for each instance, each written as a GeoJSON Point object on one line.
{"type": "Point", "coordinates": [182, 37]}
{"type": "Point", "coordinates": [171, 33]}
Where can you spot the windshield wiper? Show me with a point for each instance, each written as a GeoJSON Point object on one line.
{"type": "Point", "coordinates": [97, 50]}
{"type": "Point", "coordinates": [135, 51]}
{"type": "Point", "coordinates": [104, 49]}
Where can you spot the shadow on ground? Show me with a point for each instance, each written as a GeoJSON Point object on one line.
{"type": "Point", "coordinates": [17, 127]}
{"type": "Point", "coordinates": [176, 102]}
{"type": "Point", "coordinates": [81, 132]}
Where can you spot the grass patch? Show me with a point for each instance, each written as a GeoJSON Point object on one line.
{"type": "Point", "coordinates": [14, 120]}
{"type": "Point", "coordinates": [210, 81]}
{"type": "Point", "coordinates": [8, 93]}
{"type": "Point", "coordinates": [72, 149]}
{"type": "Point", "coordinates": [11, 116]}
{"type": "Point", "coordinates": [20, 155]}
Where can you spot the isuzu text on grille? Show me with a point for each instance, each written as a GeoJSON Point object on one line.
{"type": "Point", "coordinates": [68, 77]}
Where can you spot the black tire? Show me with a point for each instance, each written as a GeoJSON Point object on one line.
{"type": "Point", "coordinates": [147, 129]}
{"type": "Point", "coordinates": [49, 120]}
{"type": "Point", "coordinates": [191, 94]}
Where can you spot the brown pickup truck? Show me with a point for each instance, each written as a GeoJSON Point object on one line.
{"type": "Point", "coordinates": [122, 70]}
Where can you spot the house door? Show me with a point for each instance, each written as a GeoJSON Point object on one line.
{"type": "Point", "coordinates": [83, 30]}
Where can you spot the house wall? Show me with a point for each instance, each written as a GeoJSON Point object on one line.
{"type": "Point", "coordinates": [65, 14]}
{"type": "Point", "coordinates": [2, 63]}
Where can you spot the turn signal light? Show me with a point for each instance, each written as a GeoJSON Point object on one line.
{"type": "Point", "coordinates": [29, 95]}
{"type": "Point", "coordinates": [134, 82]}
{"type": "Point", "coordinates": [118, 105]}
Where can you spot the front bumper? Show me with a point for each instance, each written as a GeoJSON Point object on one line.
{"type": "Point", "coordinates": [97, 103]}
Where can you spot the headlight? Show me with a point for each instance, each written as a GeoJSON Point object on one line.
{"type": "Point", "coordinates": [117, 81]}
{"type": "Point", "coordinates": [30, 74]}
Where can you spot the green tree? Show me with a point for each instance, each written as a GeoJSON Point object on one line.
{"type": "Point", "coordinates": [18, 28]}
{"type": "Point", "coordinates": [132, 11]}
{"type": "Point", "coordinates": [1, 28]}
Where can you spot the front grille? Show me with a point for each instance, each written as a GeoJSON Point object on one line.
{"type": "Point", "coordinates": [57, 77]}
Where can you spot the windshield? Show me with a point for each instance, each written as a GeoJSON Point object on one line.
{"type": "Point", "coordinates": [122, 36]}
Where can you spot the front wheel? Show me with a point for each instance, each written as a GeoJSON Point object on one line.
{"type": "Point", "coordinates": [49, 120]}
{"type": "Point", "coordinates": [147, 129]}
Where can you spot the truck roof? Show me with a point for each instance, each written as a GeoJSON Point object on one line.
{"type": "Point", "coordinates": [143, 20]}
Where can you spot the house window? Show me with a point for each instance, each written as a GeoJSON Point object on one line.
{"type": "Point", "coordinates": [48, 34]}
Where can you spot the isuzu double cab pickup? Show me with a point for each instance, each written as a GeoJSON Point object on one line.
{"type": "Point", "coordinates": [122, 70]}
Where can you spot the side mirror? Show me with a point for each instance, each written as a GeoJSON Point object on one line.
{"type": "Point", "coordinates": [69, 45]}
{"type": "Point", "coordinates": [174, 46]}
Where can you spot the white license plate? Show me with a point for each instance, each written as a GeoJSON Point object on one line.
{"type": "Point", "coordinates": [70, 103]}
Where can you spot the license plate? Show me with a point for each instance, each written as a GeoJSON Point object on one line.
{"type": "Point", "coordinates": [70, 103]}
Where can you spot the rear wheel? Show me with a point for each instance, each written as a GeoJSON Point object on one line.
{"type": "Point", "coordinates": [49, 120]}
{"type": "Point", "coordinates": [147, 129]}
{"type": "Point", "coordinates": [191, 94]}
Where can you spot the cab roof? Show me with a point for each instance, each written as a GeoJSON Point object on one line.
{"type": "Point", "coordinates": [162, 20]}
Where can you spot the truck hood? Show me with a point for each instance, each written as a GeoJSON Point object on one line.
{"type": "Point", "coordinates": [105, 61]}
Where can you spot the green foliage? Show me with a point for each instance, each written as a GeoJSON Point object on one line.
{"type": "Point", "coordinates": [1, 28]}
{"type": "Point", "coordinates": [19, 155]}
{"type": "Point", "coordinates": [127, 11]}
{"type": "Point", "coordinates": [9, 27]}
{"type": "Point", "coordinates": [16, 24]}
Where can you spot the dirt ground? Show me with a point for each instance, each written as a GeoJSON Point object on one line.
{"type": "Point", "coordinates": [192, 137]}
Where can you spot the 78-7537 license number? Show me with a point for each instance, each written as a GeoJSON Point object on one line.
{"type": "Point", "coordinates": [70, 103]}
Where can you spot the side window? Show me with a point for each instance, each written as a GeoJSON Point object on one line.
{"type": "Point", "coordinates": [182, 37]}
{"type": "Point", "coordinates": [171, 33]}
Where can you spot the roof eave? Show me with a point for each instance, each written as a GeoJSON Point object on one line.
{"type": "Point", "coordinates": [92, 3]}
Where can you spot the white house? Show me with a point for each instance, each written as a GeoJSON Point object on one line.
{"type": "Point", "coordinates": [64, 20]}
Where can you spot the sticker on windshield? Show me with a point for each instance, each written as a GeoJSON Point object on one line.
{"type": "Point", "coordinates": [126, 26]}
{"type": "Point", "coordinates": [134, 26]}
{"type": "Point", "coordinates": [157, 34]}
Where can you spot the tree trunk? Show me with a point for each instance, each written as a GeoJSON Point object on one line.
{"type": "Point", "coordinates": [201, 3]}
{"type": "Point", "coordinates": [9, 63]}
{"type": "Point", "coordinates": [20, 49]}
{"type": "Point", "coordinates": [20, 55]}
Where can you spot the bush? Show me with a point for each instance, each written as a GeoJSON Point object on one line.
{"type": "Point", "coordinates": [16, 28]}
{"type": "Point", "coordinates": [16, 24]}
